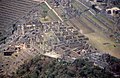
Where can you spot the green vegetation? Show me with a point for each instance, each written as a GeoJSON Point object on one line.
{"type": "Point", "coordinates": [77, 6]}
{"type": "Point", "coordinates": [50, 13]}
{"type": "Point", "coordinates": [44, 6]}
{"type": "Point", "coordinates": [106, 19]}
{"type": "Point", "coordinates": [97, 21]}
{"type": "Point", "coordinates": [46, 67]}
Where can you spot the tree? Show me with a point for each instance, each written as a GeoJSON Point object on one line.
{"type": "Point", "coordinates": [34, 75]}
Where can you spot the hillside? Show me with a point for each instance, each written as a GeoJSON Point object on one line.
{"type": "Point", "coordinates": [46, 67]}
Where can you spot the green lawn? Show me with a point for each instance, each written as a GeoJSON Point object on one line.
{"type": "Point", "coordinates": [51, 14]}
